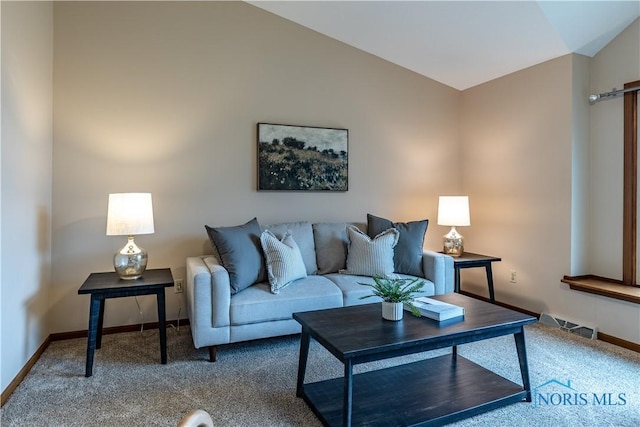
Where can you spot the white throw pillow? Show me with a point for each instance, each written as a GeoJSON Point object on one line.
{"type": "Point", "coordinates": [283, 258]}
{"type": "Point", "coordinates": [371, 257]}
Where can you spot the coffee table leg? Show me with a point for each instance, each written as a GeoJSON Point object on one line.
{"type": "Point", "coordinates": [524, 367]}
{"type": "Point", "coordinates": [162, 325]}
{"type": "Point", "coordinates": [348, 393]}
{"type": "Point", "coordinates": [94, 313]}
{"type": "Point", "coordinates": [302, 361]}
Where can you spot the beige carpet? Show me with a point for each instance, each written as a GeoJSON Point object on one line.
{"type": "Point", "coordinates": [253, 384]}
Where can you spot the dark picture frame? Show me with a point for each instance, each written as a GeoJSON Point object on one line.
{"type": "Point", "coordinates": [302, 158]}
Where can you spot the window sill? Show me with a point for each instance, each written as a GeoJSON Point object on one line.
{"type": "Point", "coordinates": [602, 286]}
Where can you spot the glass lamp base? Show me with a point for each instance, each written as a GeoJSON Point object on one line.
{"type": "Point", "coordinates": [453, 244]}
{"type": "Point", "coordinates": [131, 261]}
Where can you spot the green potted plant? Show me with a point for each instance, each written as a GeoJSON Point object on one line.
{"type": "Point", "coordinates": [395, 292]}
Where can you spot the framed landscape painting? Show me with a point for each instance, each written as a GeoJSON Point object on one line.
{"type": "Point", "coordinates": [302, 158]}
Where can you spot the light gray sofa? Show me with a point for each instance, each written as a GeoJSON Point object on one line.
{"type": "Point", "coordinates": [218, 316]}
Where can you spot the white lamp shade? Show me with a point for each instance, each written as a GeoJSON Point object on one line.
{"type": "Point", "coordinates": [453, 211]}
{"type": "Point", "coordinates": [129, 214]}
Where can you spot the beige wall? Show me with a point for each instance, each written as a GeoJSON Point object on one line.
{"type": "Point", "coordinates": [616, 64]}
{"type": "Point", "coordinates": [27, 49]}
{"type": "Point", "coordinates": [581, 166]}
{"type": "Point", "coordinates": [517, 150]}
{"type": "Point", "coordinates": [546, 196]}
{"type": "Point", "coordinates": [165, 97]}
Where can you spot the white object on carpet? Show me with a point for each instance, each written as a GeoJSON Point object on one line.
{"type": "Point", "coordinates": [197, 418]}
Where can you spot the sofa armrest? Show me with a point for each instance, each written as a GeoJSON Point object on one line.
{"type": "Point", "coordinates": [208, 292]}
{"type": "Point", "coordinates": [438, 268]}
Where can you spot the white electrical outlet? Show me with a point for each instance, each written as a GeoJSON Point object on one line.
{"type": "Point", "coordinates": [178, 286]}
{"type": "Point", "coordinates": [513, 277]}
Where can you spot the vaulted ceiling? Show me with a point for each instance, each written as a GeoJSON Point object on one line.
{"type": "Point", "coordinates": [464, 43]}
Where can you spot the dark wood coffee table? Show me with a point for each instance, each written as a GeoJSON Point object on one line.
{"type": "Point", "coordinates": [430, 392]}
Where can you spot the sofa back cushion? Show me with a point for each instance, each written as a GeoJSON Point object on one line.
{"type": "Point", "coordinates": [331, 245]}
{"type": "Point", "coordinates": [302, 233]}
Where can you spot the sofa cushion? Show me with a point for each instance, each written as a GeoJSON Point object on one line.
{"type": "Point", "coordinates": [352, 290]}
{"type": "Point", "coordinates": [407, 257]}
{"type": "Point", "coordinates": [302, 233]}
{"type": "Point", "coordinates": [283, 259]}
{"type": "Point", "coordinates": [258, 304]}
{"type": "Point", "coordinates": [331, 246]}
{"type": "Point", "coordinates": [238, 250]}
{"type": "Point", "coordinates": [371, 257]}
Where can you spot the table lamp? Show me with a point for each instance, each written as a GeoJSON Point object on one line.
{"type": "Point", "coordinates": [453, 211]}
{"type": "Point", "coordinates": [129, 214]}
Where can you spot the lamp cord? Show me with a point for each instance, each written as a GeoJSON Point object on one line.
{"type": "Point", "coordinates": [178, 321]}
{"type": "Point", "coordinates": [170, 324]}
{"type": "Point", "coordinates": [139, 311]}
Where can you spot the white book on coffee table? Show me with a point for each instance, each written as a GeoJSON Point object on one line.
{"type": "Point", "coordinates": [435, 309]}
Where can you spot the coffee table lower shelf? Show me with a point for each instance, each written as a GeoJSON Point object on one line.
{"type": "Point", "coordinates": [430, 392]}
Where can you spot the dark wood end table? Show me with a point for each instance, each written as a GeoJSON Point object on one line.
{"type": "Point", "coordinates": [109, 285]}
{"type": "Point", "coordinates": [471, 260]}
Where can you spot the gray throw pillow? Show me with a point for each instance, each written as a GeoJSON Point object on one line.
{"type": "Point", "coordinates": [371, 257]}
{"type": "Point", "coordinates": [408, 252]}
{"type": "Point", "coordinates": [238, 250]}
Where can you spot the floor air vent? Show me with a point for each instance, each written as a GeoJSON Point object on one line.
{"type": "Point", "coordinates": [590, 332]}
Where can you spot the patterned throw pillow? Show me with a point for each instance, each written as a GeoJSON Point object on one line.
{"type": "Point", "coordinates": [283, 258]}
{"type": "Point", "coordinates": [371, 257]}
{"type": "Point", "coordinates": [302, 233]}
